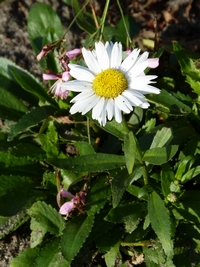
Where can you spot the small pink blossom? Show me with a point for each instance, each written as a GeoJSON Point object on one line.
{"type": "Point", "coordinates": [153, 62]}
{"type": "Point", "coordinates": [41, 55]}
{"type": "Point", "coordinates": [73, 53]}
{"type": "Point", "coordinates": [77, 202]}
{"type": "Point", "coordinates": [128, 51]}
{"type": "Point", "coordinates": [65, 193]}
{"type": "Point", "coordinates": [49, 48]}
{"type": "Point", "coordinates": [56, 87]}
{"type": "Point", "coordinates": [66, 208]}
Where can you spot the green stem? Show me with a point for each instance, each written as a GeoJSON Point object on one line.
{"type": "Point", "coordinates": [88, 130]}
{"type": "Point", "coordinates": [125, 26]}
{"type": "Point", "coordinates": [74, 19]}
{"type": "Point", "coordinates": [103, 19]}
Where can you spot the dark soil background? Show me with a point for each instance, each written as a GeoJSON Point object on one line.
{"type": "Point", "coordinates": [176, 20]}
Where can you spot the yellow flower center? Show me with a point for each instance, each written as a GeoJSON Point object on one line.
{"type": "Point", "coordinates": [109, 83]}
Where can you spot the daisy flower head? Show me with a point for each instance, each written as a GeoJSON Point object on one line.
{"type": "Point", "coordinates": [109, 85]}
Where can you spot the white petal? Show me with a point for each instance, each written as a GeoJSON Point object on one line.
{"type": "Point", "coordinates": [123, 104]}
{"type": "Point", "coordinates": [102, 56]}
{"type": "Point", "coordinates": [90, 102]}
{"type": "Point", "coordinates": [83, 95]}
{"type": "Point", "coordinates": [142, 58]}
{"type": "Point", "coordinates": [126, 102]}
{"type": "Point", "coordinates": [135, 99]}
{"type": "Point", "coordinates": [98, 108]}
{"type": "Point", "coordinates": [91, 61]}
{"type": "Point", "coordinates": [109, 47]}
{"type": "Point", "coordinates": [116, 56]}
{"type": "Point", "coordinates": [110, 108]}
{"type": "Point", "coordinates": [136, 70]}
{"type": "Point", "coordinates": [118, 114]}
{"type": "Point", "coordinates": [82, 73]}
{"type": "Point", "coordinates": [102, 116]}
{"type": "Point", "coordinates": [85, 105]}
{"type": "Point", "coordinates": [76, 86]}
{"type": "Point", "coordinates": [147, 89]}
{"type": "Point", "coordinates": [130, 60]}
{"type": "Point", "coordinates": [145, 79]}
{"type": "Point", "coordinates": [77, 107]}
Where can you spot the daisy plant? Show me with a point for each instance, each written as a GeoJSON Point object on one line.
{"type": "Point", "coordinates": [99, 156]}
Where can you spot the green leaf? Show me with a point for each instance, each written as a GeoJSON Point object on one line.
{"type": "Point", "coordinates": [119, 184]}
{"type": "Point", "coordinates": [83, 19]}
{"type": "Point", "coordinates": [45, 219]}
{"type": "Point", "coordinates": [108, 33]}
{"type": "Point", "coordinates": [136, 236]}
{"type": "Point", "coordinates": [10, 182]}
{"type": "Point", "coordinates": [9, 84]}
{"type": "Point", "coordinates": [160, 155]}
{"type": "Point", "coordinates": [46, 256]}
{"type": "Point", "coordinates": [10, 224]}
{"type": "Point", "coordinates": [129, 151]}
{"type": "Point", "coordinates": [84, 148]}
{"type": "Point", "coordinates": [75, 234]}
{"type": "Point", "coordinates": [11, 164]}
{"type": "Point", "coordinates": [70, 178]}
{"type": "Point", "coordinates": [160, 222]}
{"type": "Point", "coordinates": [28, 148]}
{"type": "Point", "coordinates": [41, 18]}
{"type": "Point", "coordinates": [130, 213]}
{"type": "Point", "coordinates": [108, 240]}
{"type": "Point", "coordinates": [162, 137]}
{"type": "Point", "coordinates": [132, 27]}
{"type": "Point", "coordinates": [116, 129]}
{"type": "Point", "coordinates": [184, 60]}
{"type": "Point", "coordinates": [17, 193]}
{"type": "Point", "coordinates": [169, 103]}
{"type": "Point", "coordinates": [187, 233]}
{"type": "Point", "coordinates": [167, 176]}
{"type": "Point", "coordinates": [189, 206]}
{"type": "Point", "coordinates": [154, 256]}
{"type": "Point", "coordinates": [98, 194]}
{"type": "Point", "coordinates": [32, 118]}
{"type": "Point", "coordinates": [90, 163]}
{"type": "Point", "coordinates": [11, 108]}
{"type": "Point", "coordinates": [111, 255]}
{"type": "Point", "coordinates": [100, 227]}
{"type": "Point", "coordinates": [185, 164]}
{"type": "Point", "coordinates": [30, 84]}
{"type": "Point", "coordinates": [193, 79]}
{"type": "Point", "coordinates": [193, 172]}
{"type": "Point", "coordinates": [37, 234]}
{"type": "Point", "coordinates": [25, 258]}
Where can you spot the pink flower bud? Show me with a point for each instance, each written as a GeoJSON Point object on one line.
{"type": "Point", "coordinates": [73, 53]}
{"type": "Point", "coordinates": [67, 207]}
{"type": "Point", "coordinates": [153, 62]}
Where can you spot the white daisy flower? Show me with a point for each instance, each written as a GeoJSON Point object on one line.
{"type": "Point", "coordinates": [110, 86]}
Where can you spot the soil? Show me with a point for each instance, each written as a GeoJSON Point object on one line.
{"type": "Point", "coordinates": [164, 21]}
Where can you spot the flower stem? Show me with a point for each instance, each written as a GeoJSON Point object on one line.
{"type": "Point", "coordinates": [103, 19]}
{"type": "Point", "coordinates": [75, 18]}
{"type": "Point", "coordinates": [125, 26]}
{"type": "Point", "coordinates": [88, 130]}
